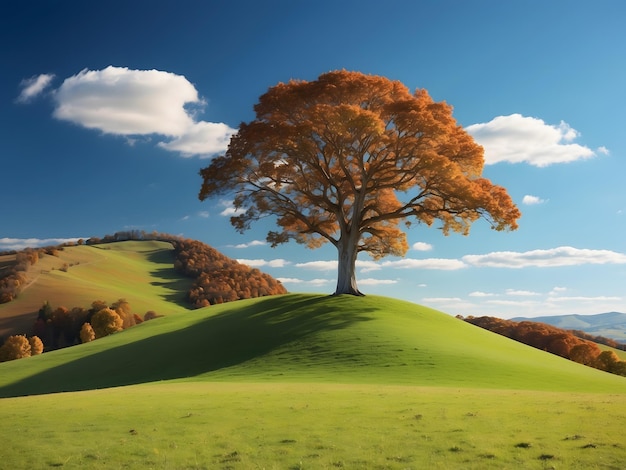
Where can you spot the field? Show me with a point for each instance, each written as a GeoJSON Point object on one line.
{"type": "Point", "coordinates": [309, 381]}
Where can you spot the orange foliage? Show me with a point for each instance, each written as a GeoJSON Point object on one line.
{"type": "Point", "coordinates": [218, 278]}
{"type": "Point", "coordinates": [554, 340]}
{"type": "Point", "coordinates": [343, 159]}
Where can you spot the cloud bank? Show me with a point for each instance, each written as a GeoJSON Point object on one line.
{"type": "Point", "coordinates": [561, 256]}
{"type": "Point", "coordinates": [126, 102]}
{"type": "Point", "coordinates": [17, 244]}
{"type": "Point", "coordinates": [520, 139]}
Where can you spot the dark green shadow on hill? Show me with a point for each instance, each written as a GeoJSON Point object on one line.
{"type": "Point", "coordinates": [168, 278]}
{"type": "Point", "coordinates": [211, 344]}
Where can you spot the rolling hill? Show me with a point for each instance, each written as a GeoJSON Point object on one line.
{"type": "Point", "coordinates": [140, 271]}
{"type": "Point", "coordinates": [296, 381]}
{"type": "Point", "coordinates": [610, 325]}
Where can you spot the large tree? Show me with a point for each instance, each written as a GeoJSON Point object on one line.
{"type": "Point", "coordinates": [345, 158]}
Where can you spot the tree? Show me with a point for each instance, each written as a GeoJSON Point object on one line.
{"type": "Point", "coordinates": [347, 157]}
{"type": "Point", "coordinates": [15, 347]}
{"type": "Point", "coordinates": [36, 345]}
{"type": "Point", "coordinates": [86, 333]}
{"type": "Point", "coordinates": [106, 322]}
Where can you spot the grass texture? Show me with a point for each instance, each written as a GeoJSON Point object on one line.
{"type": "Point", "coordinates": [304, 381]}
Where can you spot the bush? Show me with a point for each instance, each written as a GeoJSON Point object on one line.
{"type": "Point", "coordinates": [36, 345]}
{"type": "Point", "coordinates": [86, 333]}
{"type": "Point", "coordinates": [15, 347]}
{"type": "Point", "coordinates": [106, 322]}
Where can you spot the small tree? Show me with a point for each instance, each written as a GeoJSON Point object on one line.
{"type": "Point", "coordinates": [86, 333]}
{"type": "Point", "coordinates": [345, 158]}
{"type": "Point", "coordinates": [15, 347]}
{"type": "Point", "coordinates": [36, 345]}
{"type": "Point", "coordinates": [106, 322]}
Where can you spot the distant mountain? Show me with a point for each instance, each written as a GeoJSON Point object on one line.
{"type": "Point", "coordinates": [610, 324]}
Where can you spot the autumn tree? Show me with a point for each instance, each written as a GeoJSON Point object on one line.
{"type": "Point", "coordinates": [86, 333]}
{"type": "Point", "coordinates": [345, 159]}
{"type": "Point", "coordinates": [15, 347]}
{"type": "Point", "coordinates": [36, 345]}
{"type": "Point", "coordinates": [106, 322]}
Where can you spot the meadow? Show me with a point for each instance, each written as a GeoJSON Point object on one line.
{"type": "Point", "coordinates": [309, 381]}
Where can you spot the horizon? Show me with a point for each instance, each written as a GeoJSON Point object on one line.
{"type": "Point", "coordinates": [107, 123]}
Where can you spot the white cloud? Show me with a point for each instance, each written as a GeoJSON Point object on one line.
{"type": "Point", "coordinates": [313, 282]}
{"type": "Point", "coordinates": [258, 263]}
{"type": "Point", "coordinates": [603, 150]}
{"type": "Point", "coordinates": [600, 298]}
{"type": "Point", "coordinates": [429, 263]}
{"type": "Point", "coordinates": [249, 244]}
{"type": "Point", "coordinates": [318, 265]}
{"type": "Point", "coordinates": [230, 210]}
{"type": "Point", "coordinates": [532, 200]}
{"type": "Point", "coordinates": [520, 139]}
{"type": "Point", "coordinates": [376, 282]}
{"type": "Point", "coordinates": [422, 246]}
{"type": "Point", "coordinates": [121, 101]}
{"type": "Point", "coordinates": [8, 244]}
{"type": "Point", "coordinates": [203, 138]}
{"type": "Point", "coordinates": [481, 294]}
{"type": "Point", "coordinates": [561, 256]}
{"type": "Point", "coordinates": [521, 293]}
{"type": "Point", "coordinates": [203, 214]}
{"type": "Point", "coordinates": [31, 87]}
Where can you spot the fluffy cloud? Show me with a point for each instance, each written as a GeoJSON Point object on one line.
{"type": "Point", "coordinates": [314, 282]}
{"type": "Point", "coordinates": [521, 293]}
{"type": "Point", "coordinates": [8, 244]}
{"type": "Point", "coordinates": [422, 246]}
{"type": "Point", "coordinates": [376, 282]}
{"type": "Point", "coordinates": [121, 101]}
{"type": "Point", "coordinates": [561, 256]}
{"type": "Point", "coordinates": [259, 263]}
{"type": "Point", "coordinates": [429, 263]}
{"type": "Point", "coordinates": [518, 139]}
{"type": "Point", "coordinates": [249, 244]}
{"type": "Point", "coordinates": [31, 87]}
{"type": "Point", "coordinates": [481, 294]}
{"type": "Point", "coordinates": [532, 200]}
{"type": "Point", "coordinates": [318, 265]}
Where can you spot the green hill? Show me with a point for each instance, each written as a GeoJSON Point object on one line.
{"type": "Point", "coordinates": [293, 382]}
{"type": "Point", "coordinates": [140, 271]}
{"type": "Point", "coordinates": [305, 338]}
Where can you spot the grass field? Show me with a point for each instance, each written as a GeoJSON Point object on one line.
{"type": "Point", "coordinates": [305, 381]}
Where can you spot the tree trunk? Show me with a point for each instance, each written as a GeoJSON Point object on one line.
{"type": "Point", "coordinates": [346, 276]}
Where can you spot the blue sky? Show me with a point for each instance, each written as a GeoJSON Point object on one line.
{"type": "Point", "coordinates": [108, 110]}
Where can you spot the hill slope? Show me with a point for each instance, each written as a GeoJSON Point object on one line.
{"type": "Point", "coordinates": [140, 271]}
{"type": "Point", "coordinates": [305, 338]}
{"type": "Point", "coordinates": [610, 325]}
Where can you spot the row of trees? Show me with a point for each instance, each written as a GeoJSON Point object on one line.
{"type": "Point", "coordinates": [19, 346]}
{"type": "Point", "coordinates": [61, 327]}
{"type": "Point", "coordinates": [554, 340]}
{"type": "Point", "coordinates": [219, 278]}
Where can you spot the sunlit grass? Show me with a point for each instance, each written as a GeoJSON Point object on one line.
{"type": "Point", "coordinates": [283, 426]}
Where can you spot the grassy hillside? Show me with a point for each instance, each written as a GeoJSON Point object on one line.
{"type": "Point", "coordinates": [308, 381]}
{"type": "Point", "coordinates": [298, 381]}
{"type": "Point", "coordinates": [306, 338]}
{"type": "Point", "coordinates": [140, 271]}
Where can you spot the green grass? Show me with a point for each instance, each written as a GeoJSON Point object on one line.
{"type": "Point", "coordinates": [321, 426]}
{"type": "Point", "coordinates": [303, 381]}
{"type": "Point", "coordinates": [306, 338]}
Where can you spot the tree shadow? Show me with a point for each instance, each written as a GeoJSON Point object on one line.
{"type": "Point", "coordinates": [214, 343]}
{"type": "Point", "coordinates": [169, 279]}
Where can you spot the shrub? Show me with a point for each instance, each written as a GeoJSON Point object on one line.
{"type": "Point", "coordinates": [106, 322]}
{"type": "Point", "coordinates": [36, 345]}
{"type": "Point", "coordinates": [15, 347]}
{"type": "Point", "coordinates": [86, 333]}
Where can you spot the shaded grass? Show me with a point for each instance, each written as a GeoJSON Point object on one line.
{"type": "Point", "coordinates": [320, 426]}
{"type": "Point", "coordinates": [306, 338]}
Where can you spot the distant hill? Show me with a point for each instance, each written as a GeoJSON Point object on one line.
{"type": "Point", "coordinates": [610, 324]}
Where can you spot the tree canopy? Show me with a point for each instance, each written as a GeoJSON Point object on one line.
{"type": "Point", "coordinates": [347, 157]}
